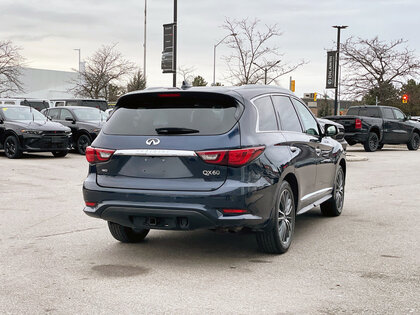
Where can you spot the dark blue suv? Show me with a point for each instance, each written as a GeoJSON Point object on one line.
{"type": "Point", "coordinates": [217, 158]}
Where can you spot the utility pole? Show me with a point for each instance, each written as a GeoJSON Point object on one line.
{"type": "Point", "coordinates": [144, 41]}
{"type": "Point", "coordinates": [80, 58]}
{"type": "Point", "coordinates": [175, 49]}
{"type": "Point", "coordinates": [337, 66]}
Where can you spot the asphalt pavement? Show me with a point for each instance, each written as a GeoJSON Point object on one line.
{"type": "Point", "coordinates": [56, 260]}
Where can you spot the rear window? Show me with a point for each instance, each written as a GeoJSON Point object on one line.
{"type": "Point", "coordinates": [103, 105]}
{"type": "Point", "coordinates": [353, 111]}
{"type": "Point", "coordinates": [147, 115]}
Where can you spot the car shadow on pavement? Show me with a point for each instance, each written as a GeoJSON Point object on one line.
{"type": "Point", "coordinates": [203, 248]}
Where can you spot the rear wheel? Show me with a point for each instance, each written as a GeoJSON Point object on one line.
{"type": "Point", "coordinates": [12, 148]}
{"type": "Point", "coordinates": [59, 153]}
{"type": "Point", "coordinates": [125, 234]}
{"type": "Point", "coordinates": [414, 142]}
{"type": "Point", "coordinates": [277, 237]}
{"type": "Point", "coordinates": [372, 143]}
{"type": "Point", "coordinates": [334, 206]}
{"type": "Point", "coordinates": [82, 143]}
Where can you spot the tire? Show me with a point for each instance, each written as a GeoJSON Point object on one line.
{"type": "Point", "coordinates": [82, 143]}
{"type": "Point", "coordinates": [372, 143]}
{"type": "Point", "coordinates": [277, 236]}
{"type": "Point", "coordinates": [380, 146]}
{"type": "Point", "coordinates": [334, 206]}
{"type": "Point", "coordinates": [59, 153]}
{"type": "Point", "coordinates": [125, 234]}
{"type": "Point", "coordinates": [12, 148]}
{"type": "Point", "coordinates": [414, 142]}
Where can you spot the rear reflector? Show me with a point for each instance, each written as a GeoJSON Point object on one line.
{"type": "Point", "coordinates": [234, 211]}
{"type": "Point", "coordinates": [235, 158]}
{"type": "Point", "coordinates": [358, 124]}
{"type": "Point", "coordinates": [96, 155]}
{"type": "Point", "coordinates": [90, 204]}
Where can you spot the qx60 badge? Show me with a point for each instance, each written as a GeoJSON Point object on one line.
{"type": "Point", "coordinates": [152, 141]}
{"type": "Point", "coordinates": [213, 172]}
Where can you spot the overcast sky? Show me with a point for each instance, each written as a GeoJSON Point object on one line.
{"type": "Point", "coordinates": [48, 31]}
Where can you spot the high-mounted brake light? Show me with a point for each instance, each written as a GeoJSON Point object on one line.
{"type": "Point", "coordinates": [235, 158]}
{"type": "Point", "coordinates": [96, 155]}
{"type": "Point", "coordinates": [358, 124]}
{"type": "Point", "coordinates": [169, 95]}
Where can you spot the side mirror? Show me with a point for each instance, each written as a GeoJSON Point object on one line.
{"type": "Point", "coordinates": [330, 130]}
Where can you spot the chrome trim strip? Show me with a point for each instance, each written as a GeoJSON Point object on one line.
{"type": "Point", "coordinates": [315, 204]}
{"type": "Point", "coordinates": [325, 190]}
{"type": "Point", "coordinates": [154, 152]}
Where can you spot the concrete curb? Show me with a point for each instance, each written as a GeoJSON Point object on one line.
{"type": "Point", "coordinates": [355, 158]}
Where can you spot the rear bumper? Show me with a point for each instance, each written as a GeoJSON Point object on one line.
{"type": "Point", "coordinates": [355, 137]}
{"type": "Point", "coordinates": [174, 210]}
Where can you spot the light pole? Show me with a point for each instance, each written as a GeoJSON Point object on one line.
{"type": "Point", "coordinates": [175, 40]}
{"type": "Point", "coordinates": [144, 43]}
{"type": "Point", "coordinates": [214, 56]}
{"type": "Point", "coordinates": [266, 68]}
{"type": "Point", "coordinates": [337, 66]}
{"type": "Point", "coordinates": [80, 60]}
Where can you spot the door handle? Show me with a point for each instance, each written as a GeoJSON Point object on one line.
{"type": "Point", "coordinates": [293, 149]}
{"type": "Point", "coordinates": [318, 151]}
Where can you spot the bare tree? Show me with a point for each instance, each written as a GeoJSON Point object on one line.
{"type": "Point", "coordinates": [10, 68]}
{"type": "Point", "coordinates": [375, 64]}
{"type": "Point", "coordinates": [254, 60]}
{"type": "Point", "coordinates": [187, 73]}
{"type": "Point", "coordinates": [105, 67]}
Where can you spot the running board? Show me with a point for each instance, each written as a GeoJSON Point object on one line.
{"type": "Point", "coordinates": [315, 204]}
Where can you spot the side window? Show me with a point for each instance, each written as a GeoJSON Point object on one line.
{"type": "Point", "coordinates": [59, 104]}
{"type": "Point", "coordinates": [310, 124]}
{"type": "Point", "coordinates": [353, 111]}
{"type": "Point", "coordinates": [266, 116]}
{"type": "Point", "coordinates": [398, 114]}
{"type": "Point", "coordinates": [65, 113]}
{"type": "Point", "coordinates": [373, 112]}
{"type": "Point", "coordinates": [286, 114]}
{"type": "Point", "coordinates": [388, 113]}
{"type": "Point", "coordinates": [54, 114]}
{"type": "Point", "coordinates": [363, 112]}
{"type": "Point", "coordinates": [71, 103]}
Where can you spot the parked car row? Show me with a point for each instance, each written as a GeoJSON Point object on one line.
{"type": "Point", "coordinates": [375, 126]}
{"type": "Point", "coordinates": [40, 104]}
{"type": "Point", "coordinates": [56, 130]}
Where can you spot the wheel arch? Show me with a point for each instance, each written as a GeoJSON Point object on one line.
{"type": "Point", "coordinates": [292, 180]}
{"type": "Point", "coordinates": [376, 130]}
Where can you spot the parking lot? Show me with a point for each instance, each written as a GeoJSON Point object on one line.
{"type": "Point", "coordinates": [55, 259]}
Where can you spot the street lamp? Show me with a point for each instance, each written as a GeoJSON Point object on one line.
{"type": "Point", "coordinates": [337, 66]}
{"type": "Point", "coordinates": [78, 49]}
{"type": "Point", "coordinates": [266, 68]}
{"type": "Point", "coordinates": [214, 56]}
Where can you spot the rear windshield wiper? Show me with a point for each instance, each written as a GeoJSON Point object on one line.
{"type": "Point", "coordinates": [175, 130]}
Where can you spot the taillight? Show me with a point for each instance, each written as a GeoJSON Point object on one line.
{"type": "Point", "coordinates": [358, 124]}
{"type": "Point", "coordinates": [235, 158]}
{"type": "Point", "coordinates": [95, 155]}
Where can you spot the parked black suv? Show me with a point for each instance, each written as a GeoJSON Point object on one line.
{"type": "Point", "coordinates": [374, 126]}
{"type": "Point", "coordinates": [84, 122]}
{"type": "Point", "coordinates": [216, 158]}
{"type": "Point", "coordinates": [24, 129]}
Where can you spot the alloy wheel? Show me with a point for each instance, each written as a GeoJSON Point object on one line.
{"type": "Point", "coordinates": [339, 190]}
{"type": "Point", "coordinates": [82, 143]}
{"type": "Point", "coordinates": [10, 147]}
{"type": "Point", "coordinates": [373, 142]}
{"type": "Point", "coordinates": [286, 217]}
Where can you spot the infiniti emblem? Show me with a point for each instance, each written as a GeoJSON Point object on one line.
{"type": "Point", "coordinates": [152, 141]}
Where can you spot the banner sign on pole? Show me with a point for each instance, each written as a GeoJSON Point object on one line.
{"type": "Point", "coordinates": [331, 68]}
